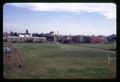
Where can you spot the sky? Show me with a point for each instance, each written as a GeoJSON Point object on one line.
{"type": "Point", "coordinates": [67, 18]}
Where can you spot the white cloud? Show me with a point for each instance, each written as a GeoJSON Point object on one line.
{"type": "Point", "coordinates": [106, 9]}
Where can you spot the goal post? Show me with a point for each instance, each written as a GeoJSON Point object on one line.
{"type": "Point", "coordinates": [111, 59]}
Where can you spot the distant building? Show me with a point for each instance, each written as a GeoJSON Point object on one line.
{"type": "Point", "coordinates": [26, 39]}
{"type": "Point", "coordinates": [21, 35]}
{"type": "Point", "coordinates": [5, 35]}
{"type": "Point", "coordinates": [24, 35]}
{"type": "Point", "coordinates": [98, 39]}
{"type": "Point", "coordinates": [77, 39]}
{"type": "Point", "coordinates": [66, 39]}
{"type": "Point", "coordinates": [13, 39]}
{"type": "Point", "coordinates": [86, 39]}
{"type": "Point", "coordinates": [102, 39]}
{"type": "Point", "coordinates": [39, 39]}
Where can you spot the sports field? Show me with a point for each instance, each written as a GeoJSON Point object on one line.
{"type": "Point", "coordinates": [63, 61]}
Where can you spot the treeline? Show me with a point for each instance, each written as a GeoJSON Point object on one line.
{"type": "Point", "coordinates": [52, 37]}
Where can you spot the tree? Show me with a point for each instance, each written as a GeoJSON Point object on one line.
{"type": "Point", "coordinates": [11, 33]}
{"type": "Point", "coordinates": [15, 34]}
{"type": "Point", "coordinates": [51, 33]}
{"type": "Point", "coordinates": [27, 31]}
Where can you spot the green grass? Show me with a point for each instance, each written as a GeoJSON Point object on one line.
{"type": "Point", "coordinates": [62, 61]}
{"type": "Point", "coordinates": [99, 46]}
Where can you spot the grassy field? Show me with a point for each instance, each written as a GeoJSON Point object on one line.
{"type": "Point", "coordinates": [62, 61]}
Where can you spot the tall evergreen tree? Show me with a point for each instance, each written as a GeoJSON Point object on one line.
{"type": "Point", "coordinates": [27, 31]}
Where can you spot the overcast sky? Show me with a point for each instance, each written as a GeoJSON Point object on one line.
{"type": "Point", "coordinates": [67, 18]}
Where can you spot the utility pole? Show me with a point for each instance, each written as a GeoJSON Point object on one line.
{"type": "Point", "coordinates": [57, 36]}
{"type": "Point", "coordinates": [54, 38]}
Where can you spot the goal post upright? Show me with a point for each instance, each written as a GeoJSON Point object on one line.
{"type": "Point", "coordinates": [109, 59]}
